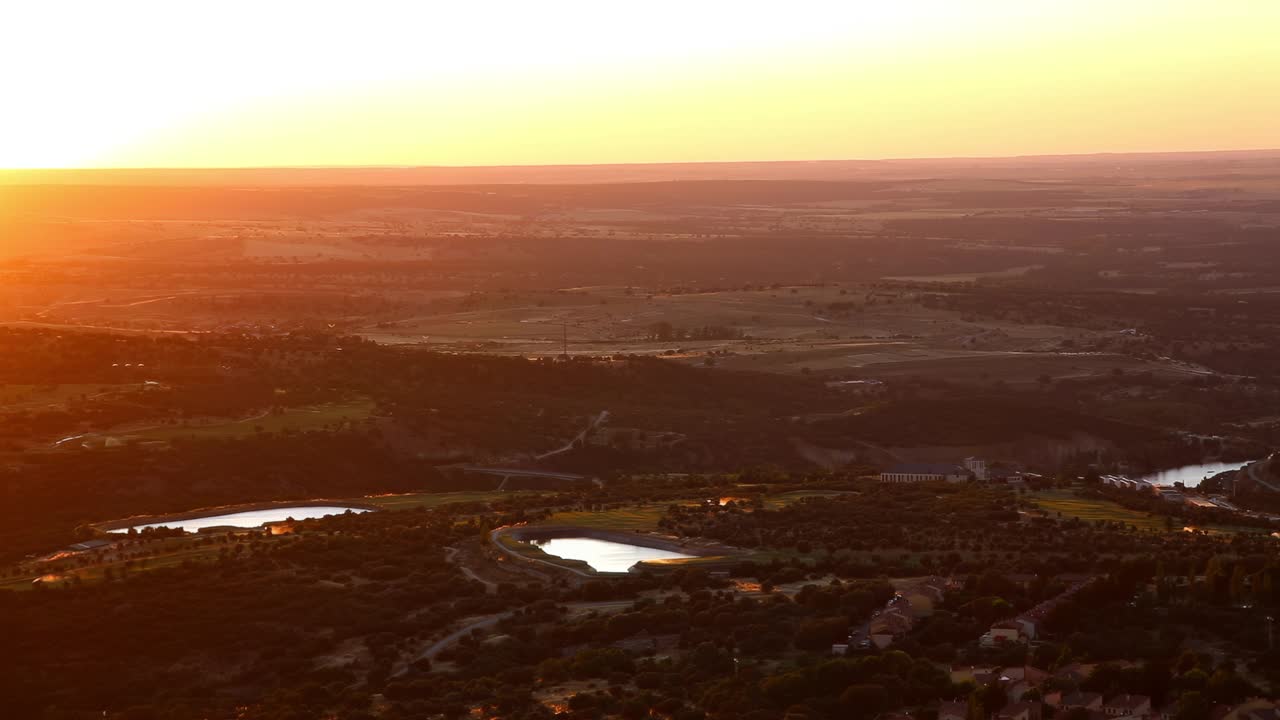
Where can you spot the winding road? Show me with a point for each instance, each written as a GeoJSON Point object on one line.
{"type": "Point", "coordinates": [488, 621]}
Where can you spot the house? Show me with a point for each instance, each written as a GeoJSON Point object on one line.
{"type": "Point", "coordinates": [1015, 690]}
{"type": "Point", "coordinates": [1020, 711]}
{"type": "Point", "coordinates": [88, 545]}
{"type": "Point", "coordinates": [1033, 676]}
{"type": "Point", "coordinates": [971, 673]}
{"type": "Point", "coordinates": [925, 472]}
{"type": "Point", "coordinates": [888, 626]}
{"type": "Point", "coordinates": [1083, 700]}
{"type": "Point", "coordinates": [1002, 633]}
{"type": "Point", "coordinates": [1025, 627]}
{"type": "Point", "coordinates": [1018, 681]}
{"type": "Point", "coordinates": [1028, 624]}
{"type": "Point", "coordinates": [1128, 706]}
{"type": "Point", "coordinates": [1255, 709]}
{"type": "Point", "coordinates": [953, 711]}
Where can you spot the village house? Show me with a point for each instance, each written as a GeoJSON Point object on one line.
{"type": "Point", "coordinates": [1255, 709]}
{"type": "Point", "coordinates": [1128, 706]}
{"type": "Point", "coordinates": [1004, 632]}
{"type": "Point", "coordinates": [1081, 700]}
{"type": "Point", "coordinates": [1020, 711]}
{"type": "Point", "coordinates": [88, 545]}
{"type": "Point", "coordinates": [1074, 673]}
{"type": "Point", "coordinates": [1018, 681]}
{"type": "Point", "coordinates": [1025, 627]}
{"type": "Point", "coordinates": [888, 626]}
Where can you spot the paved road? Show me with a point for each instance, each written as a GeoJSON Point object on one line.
{"type": "Point", "coordinates": [1252, 469]}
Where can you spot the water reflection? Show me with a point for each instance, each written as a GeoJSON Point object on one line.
{"type": "Point", "coordinates": [604, 555]}
{"type": "Point", "coordinates": [250, 518]}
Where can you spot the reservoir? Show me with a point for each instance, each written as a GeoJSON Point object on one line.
{"type": "Point", "coordinates": [1191, 475]}
{"type": "Point", "coordinates": [250, 518]}
{"type": "Point", "coordinates": [603, 555]}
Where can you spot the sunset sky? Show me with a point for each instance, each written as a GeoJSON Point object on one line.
{"type": "Point", "coordinates": [275, 83]}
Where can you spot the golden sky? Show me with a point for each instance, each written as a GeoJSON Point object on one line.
{"type": "Point", "coordinates": [150, 83]}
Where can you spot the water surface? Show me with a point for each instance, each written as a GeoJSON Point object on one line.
{"type": "Point", "coordinates": [250, 518]}
{"type": "Point", "coordinates": [604, 555]}
{"type": "Point", "coordinates": [1191, 475]}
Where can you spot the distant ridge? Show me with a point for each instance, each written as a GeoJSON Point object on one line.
{"type": "Point", "coordinates": [1015, 167]}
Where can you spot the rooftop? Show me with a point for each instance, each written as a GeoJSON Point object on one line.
{"type": "Point", "coordinates": [927, 469]}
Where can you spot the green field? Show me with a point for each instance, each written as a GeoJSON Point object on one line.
{"type": "Point", "coordinates": [646, 516]}
{"type": "Point", "coordinates": [635, 517]}
{"type": "Point", "coordinates": [431, 500]}
{"type": "Point", "coordinates": [311, 417]}
{"type": "Point", "coordinates": [168, 552]}
{"type": "Point", "coordinates": [773, 502]}
{"type": "Point", "coordinates": [1091, 509]}
{"type": "Point", "coordinates": [26, 396]}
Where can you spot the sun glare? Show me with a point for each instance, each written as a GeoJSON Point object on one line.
{"type": "Point", "coordinates": [152, 83]}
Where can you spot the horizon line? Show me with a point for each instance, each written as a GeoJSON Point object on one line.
{"type": "Point", "coordinates": [644, 163]}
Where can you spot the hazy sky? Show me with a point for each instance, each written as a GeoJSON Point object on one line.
{"type": "Point", "coordinates": [461, 82]}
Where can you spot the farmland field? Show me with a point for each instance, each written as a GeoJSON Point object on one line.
{"type": "Point", "coordinates": [311, 417]}
{"type": "Point", "coordinates": [1093, 510]}
{"type": "Point", "coordinates": [635, 517]}
{"type": "Point", "coordinates": [773, 502]}
{"type": "Point", "coordinates": [433, 500]}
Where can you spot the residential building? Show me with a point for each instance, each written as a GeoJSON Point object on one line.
{"type": "Point", "coordinates": [1082, 700]}
{"type": "Point", "coordinates": [978, 467]}
{"type": "Point", "coordinates": [1020, 711]}
{"type": "Point", "coordinates": [1254, 709]}
{"type": "Point", "coordinates": [1128, 706]}
{"type": "Point", "coordinates": [925, 472]}
{"type": "Point", "coordinates": [1002, 633]}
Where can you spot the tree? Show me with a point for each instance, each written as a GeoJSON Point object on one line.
{"type": "Point", "coordinates": [1193, 705]}
{"type": "Point", "coordinates": [975, 710]}
{"type": "Point", "coordinates": [864, 701]}
{"type": "Point", "coordinates": [994, 697]}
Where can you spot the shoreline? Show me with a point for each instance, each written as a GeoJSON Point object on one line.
{"type": "Point", "coordinates": [696, 548]}
{"type": "Point", "coordinates": [110, 525]}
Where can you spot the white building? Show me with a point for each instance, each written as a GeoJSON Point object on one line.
{"type": "Point", "coordinates": [977, 466]}
{"type": "Point", "coordinates": [925, 472]}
